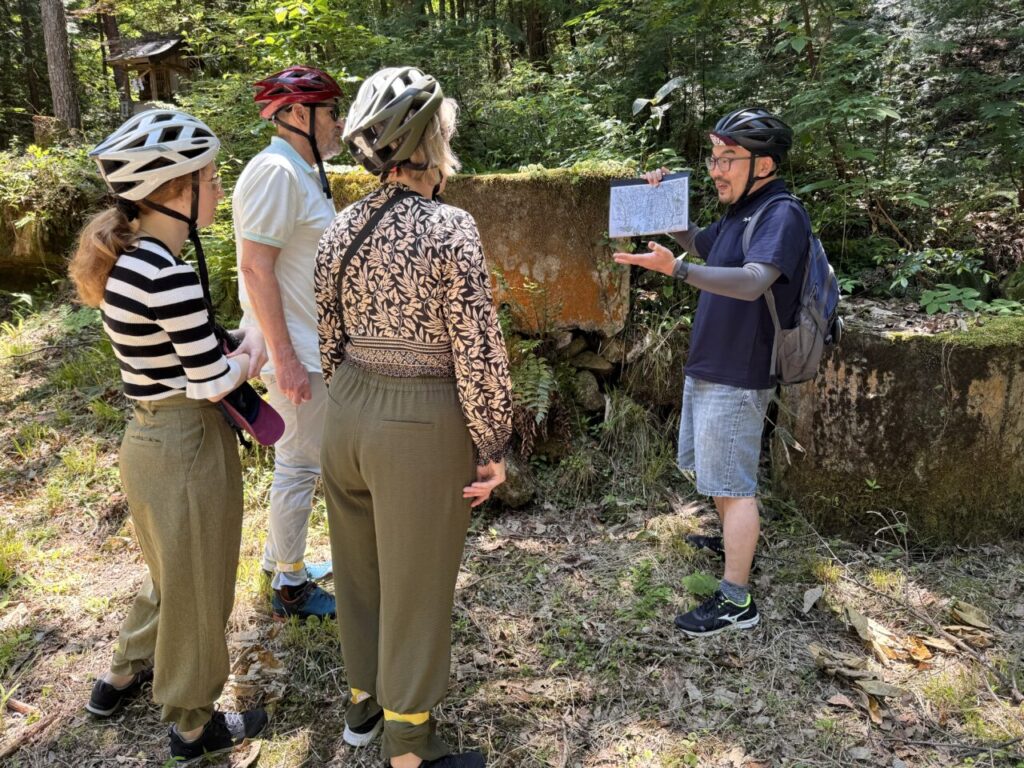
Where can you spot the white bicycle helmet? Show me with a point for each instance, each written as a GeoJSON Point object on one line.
{"type": "Point", "coordinates": [389, 115]}
{"type": "Point", "coordinates": [151, 148]}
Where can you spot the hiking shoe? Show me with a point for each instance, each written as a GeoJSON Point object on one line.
{"type": "Point", "coordinates": [716, 614]}
{"type": "Point", "coordinates": [303, 601]}
{"type": "Point", "coordinates": [713, 544]}
{"type": "Point", "coordinates": [105, 698]}
{"type": "Point", "coordinates": [461, 760]}
{"type": "Point", "coordinates": [314, 571]}
{"type": "Point", "coordinates": [361, 735]}
{"type": "Point", "coordinates": [224, 731]}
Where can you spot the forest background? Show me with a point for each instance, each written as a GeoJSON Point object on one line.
{"type": "Point", "coordinates": [910, 157]}
{"type": "Point", "coordinates": [910, 149]}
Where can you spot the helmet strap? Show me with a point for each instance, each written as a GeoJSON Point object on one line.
{"type": "Point", "coordinates": [310, 136]}
{"type": "Point", "coordinates": [751, 178]}
{"type": "Point", "coordinates": [192, 220]}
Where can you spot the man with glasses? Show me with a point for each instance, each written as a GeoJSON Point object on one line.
{"type": "Point", "coordinates": [729, 380]}
{"type": "Point", "coordinates": [281, 207]}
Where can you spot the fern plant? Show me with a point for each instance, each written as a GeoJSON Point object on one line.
{"type": "Point", "coordinates": [533, 379]}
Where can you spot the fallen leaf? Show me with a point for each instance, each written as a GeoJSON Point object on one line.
{"type": "Point", "coordinates": [811, 596]}
{"type": "Point", "coordinates": [840, 700]}
{"type": "Point", "coordinates": [965, 613]}
{"type": "Point", "coordinates": [917, 649]}
{"type": "Point", "coordinates": [875, 636]}
{"type": "Point", "coordinates": [249, 756]}
{"type": "Point", "coordinates": [878, 688]}
{"type": "Point", "coordinates": [736, 757]}
{"type": "Point", "coordinates": [938, 644]}
{"type": "Point", "coordinates": [874, 710]}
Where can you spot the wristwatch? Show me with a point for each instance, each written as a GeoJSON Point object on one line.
{"type": "Point", "coordinates": [681, 269]}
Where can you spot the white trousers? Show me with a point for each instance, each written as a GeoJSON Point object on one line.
{"type": "Point", "coordinates": [296, 469]}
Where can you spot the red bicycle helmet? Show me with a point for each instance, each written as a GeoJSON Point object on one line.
{"type": "Point", "coordinates": [295, 85]}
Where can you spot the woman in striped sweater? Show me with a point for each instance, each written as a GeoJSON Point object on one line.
{"type": "Point", "coordinates": [179, 459]}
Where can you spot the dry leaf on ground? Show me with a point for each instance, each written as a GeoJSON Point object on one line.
{"type": "Point", "coordinates": [811, 597]}
{"type": "Point", "coordinates": [965, 613]}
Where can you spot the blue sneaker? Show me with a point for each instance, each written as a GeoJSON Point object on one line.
{"type": "Point", "coordinates": [314, 571]}
{"type": "Point", "coordinates": [319, 571]}
{"type": "Point", "coordinates": [303, 601]}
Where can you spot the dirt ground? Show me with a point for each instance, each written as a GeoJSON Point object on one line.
{"type": "Point", "coordinates": [873, 653]}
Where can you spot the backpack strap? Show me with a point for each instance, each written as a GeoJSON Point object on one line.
{"type": "Point", "coordinates": [769, 297]}
{"type": "Point", "coordinates": [357, 243]}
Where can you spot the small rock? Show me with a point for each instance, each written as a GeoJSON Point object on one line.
{"type": "Point", "coordinates": [574, 347]}
{"type": "Point", "coordinates": [588, 393]}
{"type": "Point", "coordinates": [519, 486]}
{"type": "Point", "coordinates": [562, 339]}
{"type": "Point", "coordinates": [481, 659]}
{"type": "Point", "coordinates": [591, 361]}
{"type": "Point", "coordinates": [613, 350]}
{"type": "Point", "coordinates": [859, 753]}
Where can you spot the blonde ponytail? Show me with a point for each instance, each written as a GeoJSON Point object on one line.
{"type": "Point", "coordinates": [105, 237]}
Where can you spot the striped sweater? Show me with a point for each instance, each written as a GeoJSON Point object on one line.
{"type": "Point", "coordinates": [154, 314]}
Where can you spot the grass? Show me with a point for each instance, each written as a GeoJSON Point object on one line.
{"type": "Point", "coordinates": [563, 650]}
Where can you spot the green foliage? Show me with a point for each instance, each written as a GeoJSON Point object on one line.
{"type": "Point", "coordinates": [927, 267]}
{"type": "Point", "coordinates": [945, 298]}
{"type": "Point", "coordinates": [533, 378]}
{"type": "Point", "coordinates": [700, 584]}
{"type": "Point", "coordinates": [46, 184]}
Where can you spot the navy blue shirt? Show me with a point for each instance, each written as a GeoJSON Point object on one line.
{"type": "Point", "coordinates": [731, 340]}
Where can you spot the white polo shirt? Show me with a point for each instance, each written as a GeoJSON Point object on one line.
{"type": "Point", "coordinates": [278, 201]}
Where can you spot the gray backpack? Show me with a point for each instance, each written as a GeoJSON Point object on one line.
{"type": "Point", "coordinates": [797, 351]}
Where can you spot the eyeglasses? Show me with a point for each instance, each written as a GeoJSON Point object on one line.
{"type": "Point", "coordinates": [215, 180]}
{"type": "Point", "coordinates": [723, 163]}
{"type": "Point", "coordinates": [335, 110]}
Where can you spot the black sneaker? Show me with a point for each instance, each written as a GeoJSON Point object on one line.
{"type": "Point", "coordinates": [713, 544]}
{"type": "Point", "coordinates": [225, 731]}
{"type": "Point", "coordinates": [461, 760]}
{"type": "Point", "coordinates": [361, 735]}
{"type": "Point", "coordinates": [716, 614]}
{"type": "Point", "coordinates": [105, 698]}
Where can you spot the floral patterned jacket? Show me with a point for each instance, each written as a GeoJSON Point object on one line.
{"type": "Point", "coordinates": [417, 302]}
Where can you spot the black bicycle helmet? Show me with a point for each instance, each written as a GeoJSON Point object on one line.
{"type": "Point", "coordinates": [757, 130]}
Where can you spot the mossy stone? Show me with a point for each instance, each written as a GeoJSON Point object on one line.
{"type": "Point", "coordinates": [922, 430]}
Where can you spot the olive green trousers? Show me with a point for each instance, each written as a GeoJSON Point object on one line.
{"type": "Point", "coordinates": [183, 479]}
{"type": "Point", "coordinates": [396, 455]}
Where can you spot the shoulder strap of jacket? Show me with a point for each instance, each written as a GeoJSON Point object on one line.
{"type": "Point", "coordinates": [357, 243]}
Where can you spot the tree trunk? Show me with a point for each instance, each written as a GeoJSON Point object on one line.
{"type": "Point", "coordinates": [58, 62]}
{"type": "Point", "coordinates": [108, 23]}
{"type": "Point", "coordinates": [30, 54]}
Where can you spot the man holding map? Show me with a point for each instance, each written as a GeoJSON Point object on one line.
{"type": "Point", "coordinates": [728, 380]}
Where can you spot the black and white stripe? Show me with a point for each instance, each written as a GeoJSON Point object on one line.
{"type": "Point", "coordinates": [154, 314]}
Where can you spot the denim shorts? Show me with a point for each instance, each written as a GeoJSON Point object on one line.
{"type": "Point", "coordinates": [720, 436]}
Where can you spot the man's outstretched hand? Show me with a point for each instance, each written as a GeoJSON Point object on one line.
{"type": "Point", "coordinates": [659, 259]}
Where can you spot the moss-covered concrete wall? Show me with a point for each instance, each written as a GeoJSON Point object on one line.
{"type": "Point", "coordinates": [44, 201]}
{"type": "Point", "coordinates": [925, 428]}
{"type": "Point", "coordinates": [544, 236]}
